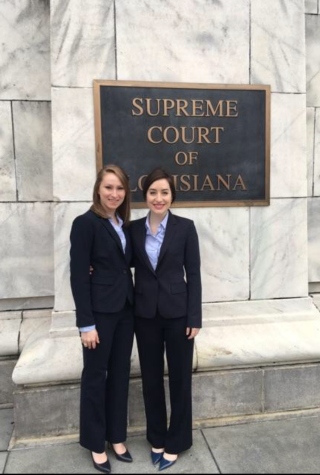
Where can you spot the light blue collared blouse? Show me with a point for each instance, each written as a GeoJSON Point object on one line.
{"type": "Point", "coordinates": [154, 241]}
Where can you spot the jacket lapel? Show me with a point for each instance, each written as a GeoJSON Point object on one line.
{"type": "Point", "coordinates": [112, 232]}
{"type": "Point", "coordinates": [169, 234]}
{"type": "Point", "coordinates": [128, 251]}
{"type": "Point", "coordinates": [141, 243]}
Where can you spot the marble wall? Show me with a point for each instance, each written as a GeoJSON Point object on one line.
{"type": "Point", "coordinates": [26, 193]}
{"type": "Point", "coordinates": [258, 253]}
{"type": "Point", "coordinates": [313, 139]}
{"type": "Point", "coordinates": [51, 52]}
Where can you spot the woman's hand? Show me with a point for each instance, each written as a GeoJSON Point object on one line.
{"type": "Point", "coordinates": [192, 332]}
{"type": "Point", "coordinates": [90, 339]}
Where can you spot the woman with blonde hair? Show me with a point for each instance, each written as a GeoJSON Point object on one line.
{"type": "Point", "coordinates": [104, 315]}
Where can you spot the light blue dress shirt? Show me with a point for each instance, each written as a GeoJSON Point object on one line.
{"type": "Point", "coordinates": [119, 230]}
{"type": "Point", "coordinates": [154, 241]}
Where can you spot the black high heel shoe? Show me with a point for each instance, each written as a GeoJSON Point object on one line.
{"type": "Point", "coordinates": [165, 463]}
{"type": "Point", "coordinates": [125, 457]}
{"type": "Point", "coordinates": [104, 467]}
{"type": "Point", "coordinates": [156, 457]}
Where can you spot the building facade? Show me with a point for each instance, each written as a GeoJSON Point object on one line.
{"type": "Point", "coordinates": [260, 265]}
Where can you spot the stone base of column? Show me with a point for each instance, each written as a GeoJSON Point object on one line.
{"type": "Point", "coordinates": [251, 359]}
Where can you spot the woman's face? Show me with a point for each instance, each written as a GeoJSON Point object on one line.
{"type": "Point", "coordinates": [111, 192]}
{"type": "Point", "coordinates": [159, 197]}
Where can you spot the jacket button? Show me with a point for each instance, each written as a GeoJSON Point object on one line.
{"type": "Point", "coordinates": [124, 271]}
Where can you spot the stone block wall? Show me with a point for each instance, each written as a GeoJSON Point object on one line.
{"type": "Point", "coordinates": [313, 139]}
{"type": "Point", "coordinates": [219, 397]}
{"type": "Point", "coordinates": [26, 196]}
{"type": "Point", "coordinates": [47, 155]}
{"type": "Point", "coordinates": [51, 52]}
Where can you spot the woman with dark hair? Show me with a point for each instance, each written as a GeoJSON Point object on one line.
{"type": "Point", "coordinates": [167, 315]}
{"type": "Point", "coordinates": [103, 300]}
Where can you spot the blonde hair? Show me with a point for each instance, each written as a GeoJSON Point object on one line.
{"type": "Point", "coordinates": [124, 209]}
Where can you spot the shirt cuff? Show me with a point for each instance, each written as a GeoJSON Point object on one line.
{"type": "Point", "coordinates": [87, 329]}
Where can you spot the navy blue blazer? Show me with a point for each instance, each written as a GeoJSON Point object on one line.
{"type": "Point", "coordinates": [95, 242]}
{"type": "Point", "coordinates": [174, 287]}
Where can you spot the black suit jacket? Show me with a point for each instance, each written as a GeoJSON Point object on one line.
{"type": "Point", "coordinates": [174, 288]}
{"type": "Point", "coordinates": [95, 242]}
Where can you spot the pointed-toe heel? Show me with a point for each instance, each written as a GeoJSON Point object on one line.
{"type": "Point", "coordinates": [156, 457]}
{"type": "Point", "coordinates": [164, 463]}
{"type": "Point", "coordinates": [125, 457]}
{"type": "Point", "coordinates": [104, 467]}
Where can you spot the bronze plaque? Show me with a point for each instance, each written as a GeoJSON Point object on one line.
{"type": "Point", "coordinates": [213, 139]}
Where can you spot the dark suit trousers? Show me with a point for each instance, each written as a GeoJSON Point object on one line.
{"type": "Point", "coordinates": [155, 336]}
{"type": "Point", "coordinates": [105, 382]}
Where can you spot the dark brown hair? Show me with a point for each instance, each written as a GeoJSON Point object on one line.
{"type": "Point", "coordinates": [124, 209]}
{"type": "Point", "coordinates": [155, 175]}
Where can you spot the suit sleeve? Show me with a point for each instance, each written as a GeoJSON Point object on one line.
{"type": "Point", "coordinates": [193, 276]}
{"type": "Point", "coordinates": [81, 239]}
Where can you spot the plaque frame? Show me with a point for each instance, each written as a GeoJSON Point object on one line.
{"type": "Point", "coordinates": [100, 86]}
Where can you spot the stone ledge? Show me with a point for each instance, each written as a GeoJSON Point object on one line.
{"type": "Point", "coordinates": [47, 360]}
{"type": "Point", "coordinates": [9, 333]}
{"type": "Point", "coordinates": [237, 334]}
{"type": "Point", "coordinates": [259, 333]}
{"type": "Point", "coordinates": [16, 327]}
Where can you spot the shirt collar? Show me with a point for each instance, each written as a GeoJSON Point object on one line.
{"type": "Point", "coordinates": [120, 221]}
{"type": "Point", "coordinates": [162, 225]}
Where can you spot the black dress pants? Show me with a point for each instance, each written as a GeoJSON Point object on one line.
{"type": "Point", "coordinates": [105, 382]}
{"type": "Point", "coordinates": [155, 337]}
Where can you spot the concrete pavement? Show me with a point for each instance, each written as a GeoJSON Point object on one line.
{"type": "Point", "coordinates": [289, 443]}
